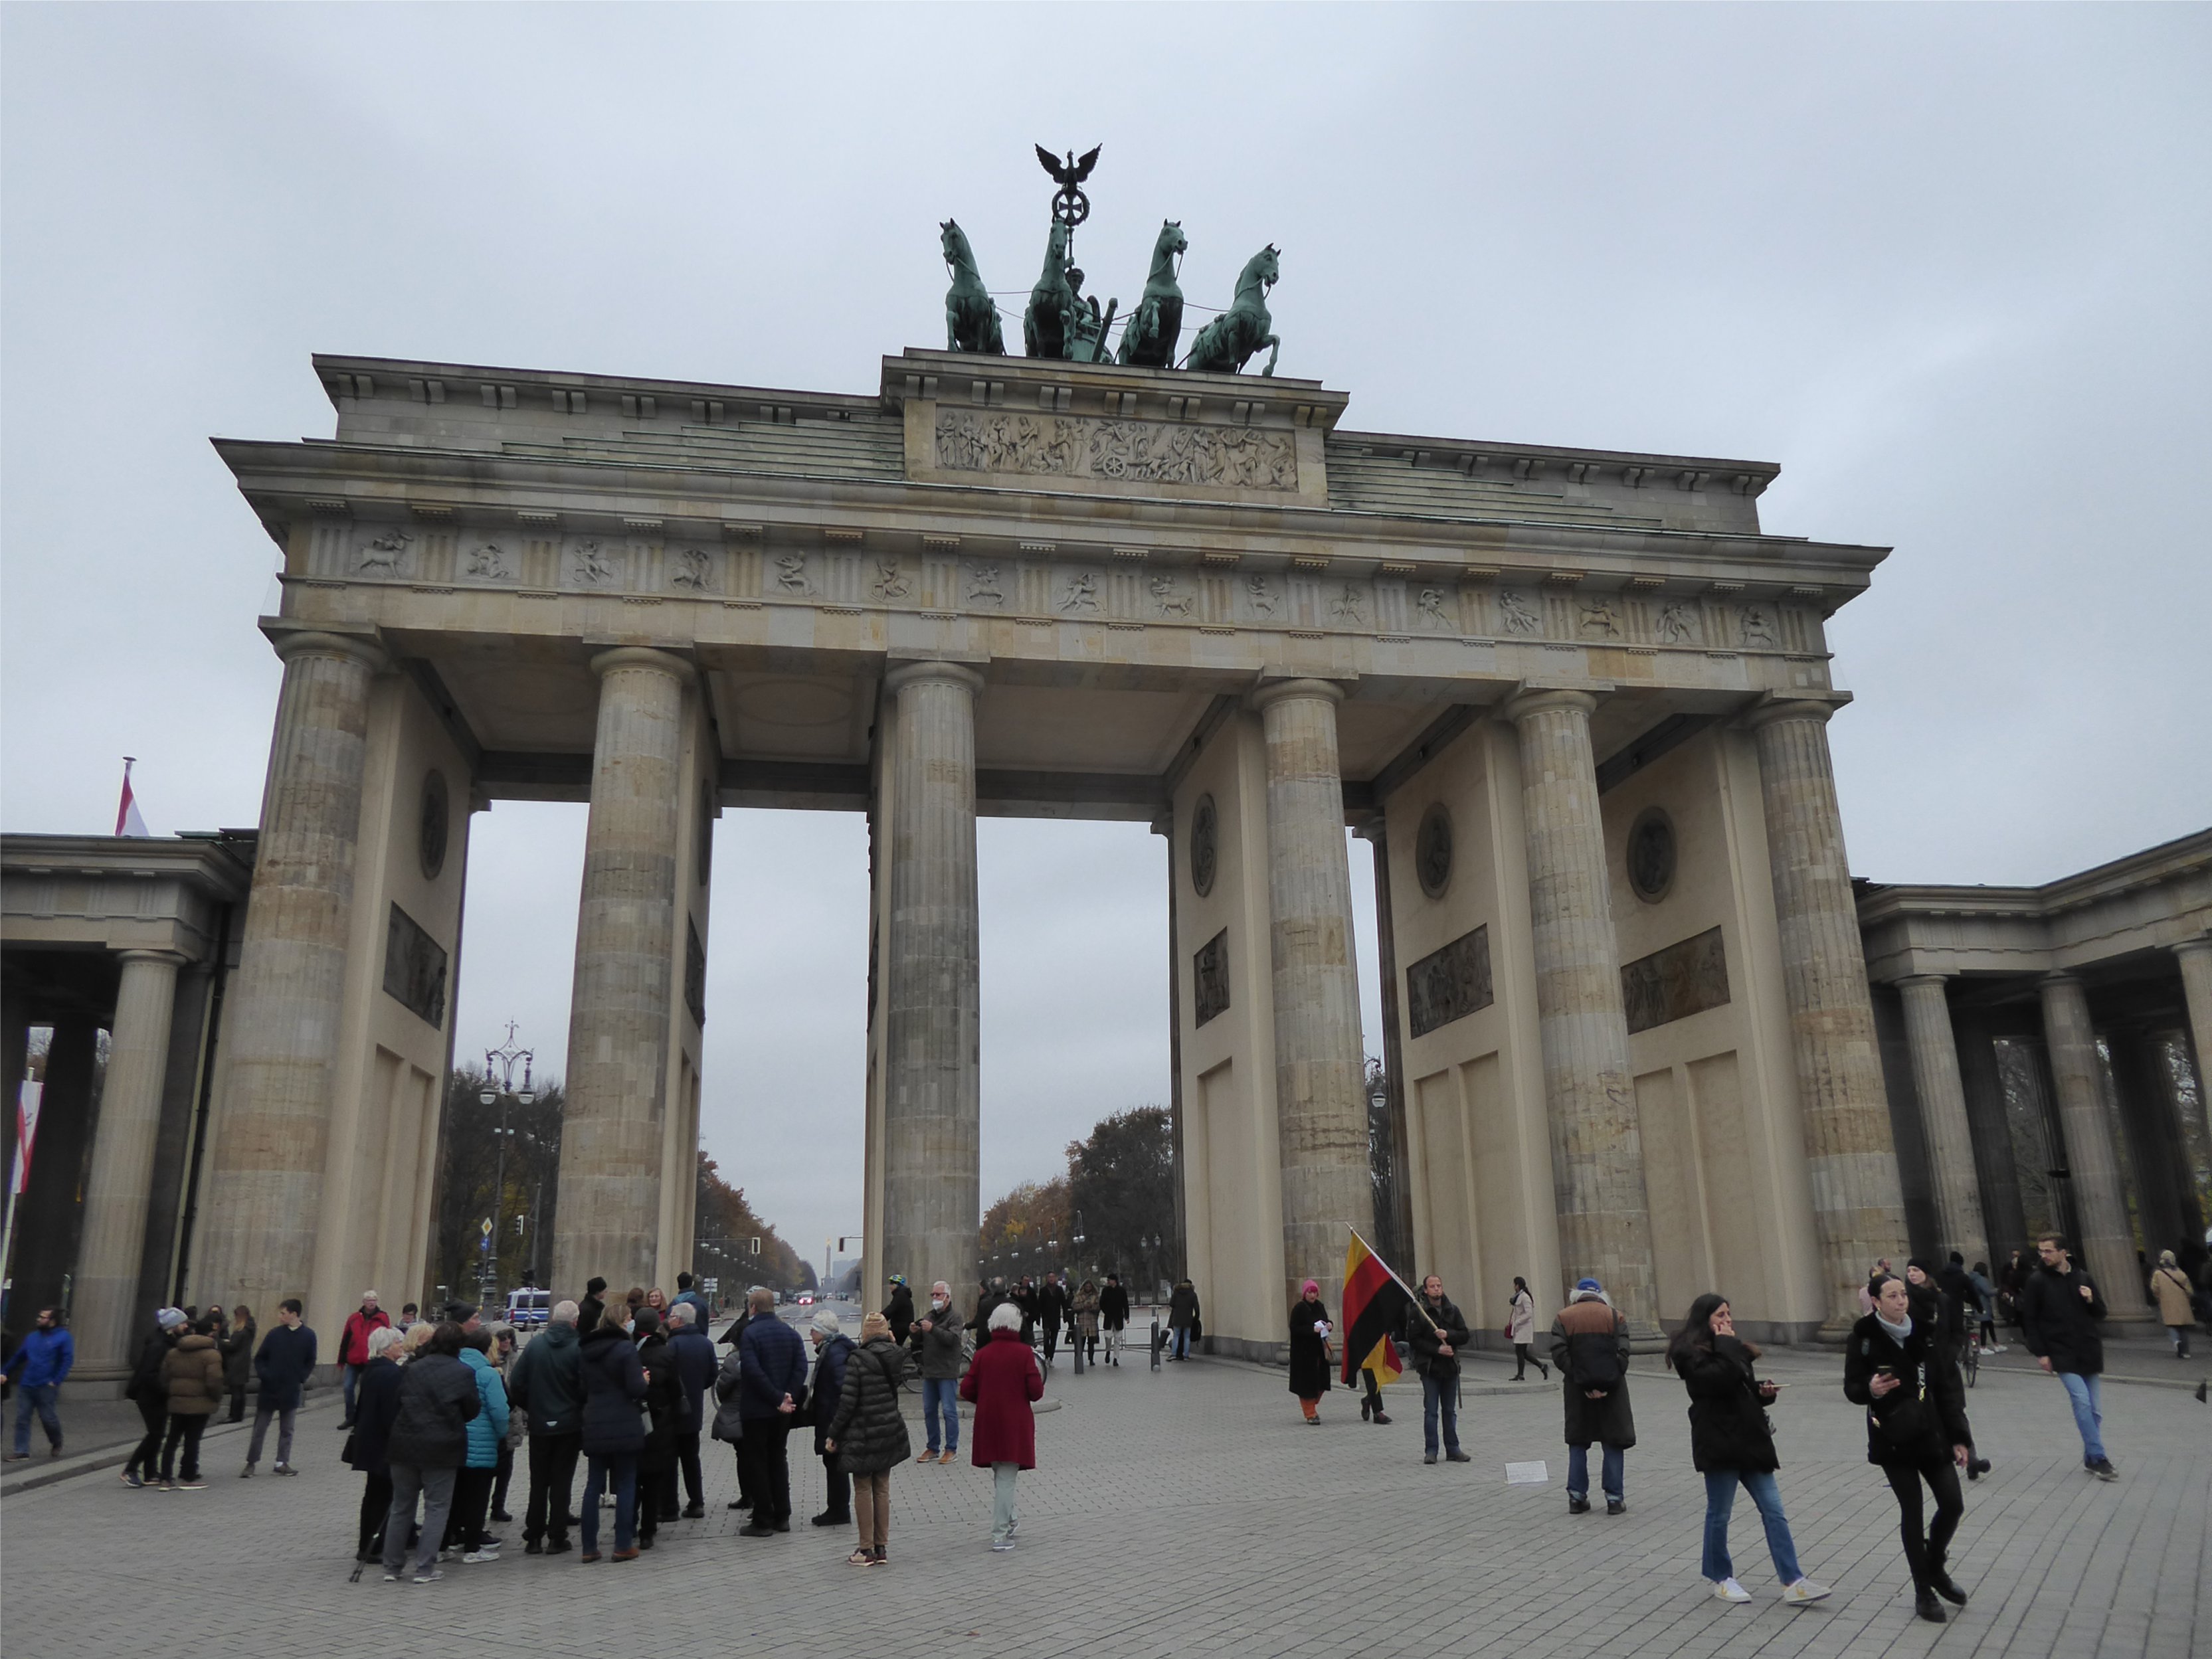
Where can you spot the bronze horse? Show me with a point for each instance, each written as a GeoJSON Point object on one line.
{"type": "Point", "coordinates": [972, 321]}
{"type": "Point", "coordinates": [1156, 324]}
{"type": "Point", "coordinates": [1224, 345]}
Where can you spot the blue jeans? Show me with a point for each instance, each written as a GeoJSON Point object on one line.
{"type": "Point", "coordinates": [1439, 1396]}
{"type": "Point", "coordinates": [1181, 1342]}
{"type": "Point", "coordinates": [620, 1474]}
{"type": "Point", "coordinates": [2081, 1393]}
{"type": "Point", "coordinates": [1720, 1500]}
{"type": "Point", "coordinates": [1611, 1471]}
{"type": "Point", "coordinates": [39, 1397]}
{"type": "Point", "coordinates": [352, 1377]}
{"type": "Point", "coordinates": [940, 1401]}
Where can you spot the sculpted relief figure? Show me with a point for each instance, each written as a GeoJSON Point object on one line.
{"type": "Point", "coordinates": [983, 585]}
{"type": "Point", "coordinates": [386, 552]}
{"type": "Point", "coordinates": [791, 572]}
{"type": "Point", "coordinates": [1166, 601]}
{"type": "Point", "coordinates": [1350, 605]}
{"type": "Point", "coordinates": [1598, 618]}
{"type": "Point", "coordinates": [890, 583]}
{"type": "Point", "coordinates": [594, 566]}
{"type": "Point", "coordinates": [1138, 451]}
{"type": "Point", "coordinates": [1520, 616]}
{"type": "Point", "coordinates": [692, 568]}
{"type": "Point", "coordinates": [1081, 593]}
{"type": "Point", "coordinates": [1756, 628]}
{"type": "Point", "coordinates": [1261, 595]}
{"type": "Point", "coordinates": [1677, 625]}
{"type": "Point", "coordinates": [489, 563]}
{"type": "Point", "coordinates": [1430, 607]}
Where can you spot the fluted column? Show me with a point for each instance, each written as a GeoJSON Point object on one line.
{"type": "Point", "coordinates": [1597, 1149]}
{"type": "Point", "coordinates": [1320, 1100]}
{"type": "Point", "coordinates": [121, 1184]}
{"type": "Point", "coordinates": [1858, 1206]}
{"type": "Point", "coordinates": [1942, 1093]}
{"type": "Point", "coordinates": [933, 1094]}
{"type": "Point", "coordinates": [262, 1209]}
{"type": "Point", "coordinates": [2195, 958]}
{"type": "Point", "coordinates": [614, 1121]}
{"type": "Point", "coordinates": [2106, 1246]}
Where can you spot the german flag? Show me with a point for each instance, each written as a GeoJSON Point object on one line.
{"type": "Point", "coordinates": [1375, 1304]}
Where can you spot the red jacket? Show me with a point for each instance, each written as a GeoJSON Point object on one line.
{"type": "Point", "coordinates": [353, 1341]}
{"type": "Point", "coordinates": [1001, 1381]}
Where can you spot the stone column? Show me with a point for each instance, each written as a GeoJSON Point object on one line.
{"type": "Point", "coordinates": [1396, 1228]}
{"type": "Point", "coordinates": [2106, 1246]}
{"type": "Point", "coordinates": [933, 1094]}
{"type": "Point", "coordinates": [120, 1188]}
{"type": "Point", "coordinates": [262, 1210]}
{"type": "Point", "coordinates": [1858, 1205]}
{"type": "Point", "coordinates": [1597, 1149]}
{"type": "Point", "coordinates": [612, 1123]}
{"type": "Point", "coordinates": [1321, 1098]}
{"type": "Point", "coordinates": [2195, 958]}
{"type": "Point", "coordinates": [1942, 1093]}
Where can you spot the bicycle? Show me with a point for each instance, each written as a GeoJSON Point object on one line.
{"type": "Point", "coordinates": [1971, 1363]}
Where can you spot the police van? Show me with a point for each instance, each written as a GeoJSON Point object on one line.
{"type": "Point", "coordinates": [527, 1309]}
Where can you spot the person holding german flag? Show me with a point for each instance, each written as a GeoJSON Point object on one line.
{"type": "Point", "coordinates": [1377, 1308]}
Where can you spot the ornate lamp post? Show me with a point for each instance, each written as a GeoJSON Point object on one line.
{"type": "Point", "coordinates": [499, 1090]}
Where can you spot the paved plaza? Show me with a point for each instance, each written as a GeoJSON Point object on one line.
{"type": "Point", "coordinates": [1190, 1511]}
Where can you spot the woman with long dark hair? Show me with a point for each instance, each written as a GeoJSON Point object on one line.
{"type": "Point", "coordinates": [1897, 1367]}
{"type": "Point", "coordinates": [1732, 1445]}
{"type": "Point", "coordinates": [1521, 1330]}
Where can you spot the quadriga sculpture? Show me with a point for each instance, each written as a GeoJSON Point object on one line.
{"type": "Point", "coordinates": [972, 321]}
{"type": "Point", "coordinates": [1156, 325]}
{"type": "Point", "coordinates": [1224, 345]}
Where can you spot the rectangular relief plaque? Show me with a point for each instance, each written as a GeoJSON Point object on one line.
{"type": "Point", "coordinates": [414, 969]}
{"type": "Point", "coordinates": [695, 974]}
{"type": "Point", "coordinates": [1119, 451]}
{"type": "Point", "coordinates": [1209, 976]}
{"type": "Point", "coordinates": [1448, 984]}
{"type": "Point", "coordinates": [1686, 978]}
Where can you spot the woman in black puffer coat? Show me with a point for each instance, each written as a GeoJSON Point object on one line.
{"type": "Point", "coordinates": [663, 1413]}
{"type": "Point", "coordinates": [1899, 1368]}
{"type": "Point", "coordinates": [237, 1345]}
{"type": "Point", "coordinates": [1733, 1445]}
{"type": "Point", "coordinates": [614, 1430]}
{"type": "Point", "coordinates": [425, 1447]}
{"type": "Point", "coordinates": [869, 1436]}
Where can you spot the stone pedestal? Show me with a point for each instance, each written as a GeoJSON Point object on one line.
{"type": "Point", "coordinates": [1597, 1155]}
{"type": "Point", "coordinates": [119, 1190]}
{"type": "Point", "coordinates": [612, 1124]}
{"type": "Point", "coordinates": [1942, 1091]}
{"type": "Point", "coordinates": [932, 1099]}
{"type": "Point", "coordinates": [2106, 1246]}
{"type": "Point", "coordinates": [1857, 1203]}
{"type": "Point", "coordinates": [261, 1209]}
{"type": "Point", "coordinates": [1320, 1100]}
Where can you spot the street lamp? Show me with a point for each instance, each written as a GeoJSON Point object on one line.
{"type": "Point", "coordinates": [499, 1064]}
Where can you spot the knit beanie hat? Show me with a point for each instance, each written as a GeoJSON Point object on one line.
{"type": "Point", "coordinates": [170, 1318]}
{"type": "Point", "coordinates": [828, 1324]}
{"type": "Point", "coordinates": [873, 1326]}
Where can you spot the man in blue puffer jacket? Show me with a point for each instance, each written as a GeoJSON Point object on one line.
{"type": "Point", "coordinates": [472, 1486]}
{"type": "Point", "coordinates": [44, 1358]}
{"type": "Point", "coordinates": [772, 1390]}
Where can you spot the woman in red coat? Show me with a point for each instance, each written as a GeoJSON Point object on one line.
{"type": "Point", "coordinates": [1002, 1380]}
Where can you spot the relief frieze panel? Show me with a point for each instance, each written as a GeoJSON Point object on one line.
{"type": "Point", "coordinates": [1132, 452]}
{"type": "Point", "coordinates": [1686, 978]}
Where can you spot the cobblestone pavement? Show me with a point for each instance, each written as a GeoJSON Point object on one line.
{"type": "Point", "coordinates": [1190, 1511]}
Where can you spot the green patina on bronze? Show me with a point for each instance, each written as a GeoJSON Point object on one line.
{"type": "Point", "coordinates": [1224, 345]}
{"type": "Point", "coordinates": [972, 321]}
{"type": "Point", "coordinates": [1156, 324]}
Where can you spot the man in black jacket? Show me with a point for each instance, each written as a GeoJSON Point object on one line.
{"type": "Point", "coordinates": [898, 1312]}
{"type": "Point", "coordinates": [1051, 1314]}
{"type": "Point", "coordinates": [1113, 1316]}
{"type": "Point", "coordinates": [1435, 1332]}
{"type": "Point", "coordinates": [2059, 1307]}
{"type": "Point", "coordinates": [548, 1383]}
{"type": "Point", "coordinates": [285, 1363]}
{"type": "Point", "coordinates": [146, 1392]}
{"type": "Point", "coordinates": [429, 1443]}
{"type": "Point", "coordinates": [594, 1304]}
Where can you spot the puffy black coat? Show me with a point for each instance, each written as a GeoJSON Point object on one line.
{"type": "Point", "coordinates": [1182, 1305]}
{"type": "Point", "coordinates": [666, 1411]}
{"type": "Point", "coordinates": [2059, 1324]}
{"type": "Point", "coordinates": [1729, 1428]}
{"type": "Point", "coordinates": [869, 1428]}
{"type": "Point", "coordinates": [899, 1311]}
{"type": "Point", "coordinates": [548, 1382]}
{"type": "Point", "coordinates": [614, 1386]}
{"type": "Point", "coordinates": [827, 1391]}
{"type": "Point", "coordinates": [375, 1409]}
{"type": "Point", "coordinates": [145, 1384]}
{"type": "Point", "coordinates": [1308, 1351]}
{"type": "Point", "coordinates": [1444, 1323]}
{"type": "Point", "coordinates": [430, 1428]}
{"type": "Point", "coordinates": [1918, 1423]}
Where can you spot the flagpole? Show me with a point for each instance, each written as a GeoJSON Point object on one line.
{"type": "Point", "coordinates": [1376, 1255]}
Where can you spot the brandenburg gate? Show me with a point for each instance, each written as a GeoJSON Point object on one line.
{"type": "Point", "coordinates": [1577, 698]}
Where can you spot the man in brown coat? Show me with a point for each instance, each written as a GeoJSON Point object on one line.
{"type": "Point", "coordinates": [1589, 1341]}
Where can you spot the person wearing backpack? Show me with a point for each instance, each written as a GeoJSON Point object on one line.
{"type": "Point", "coordinates": [1589, 1344]}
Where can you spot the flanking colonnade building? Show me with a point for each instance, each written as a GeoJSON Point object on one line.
{"type": "Point", "coordinates": [1577, 699]}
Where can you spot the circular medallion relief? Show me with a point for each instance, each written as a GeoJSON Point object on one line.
{"type": "Point", "coordinates": [1203, 831]}
{"type": "Point", "coordinates": [1432, 851]}
{"type": "Point", "coordinates": [436, 812]}
{"type": "Point", "coordinates": [1651, 854]}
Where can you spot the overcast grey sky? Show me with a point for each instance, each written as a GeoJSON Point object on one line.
{"type": "Point", "coordinates": [1948, 266]}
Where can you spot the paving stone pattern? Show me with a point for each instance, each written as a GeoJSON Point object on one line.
{"type": "Point", "coordinates": [1192, 1512]}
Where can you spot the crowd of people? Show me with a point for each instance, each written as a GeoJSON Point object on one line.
{"type": "Point", "coordinates": [629, 1388]}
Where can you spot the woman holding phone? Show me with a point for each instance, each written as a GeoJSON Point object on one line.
{"type": "Point", "coordinates": [1732, 1446]}
{"type": "Point", "coordinates": [1896, 1367]}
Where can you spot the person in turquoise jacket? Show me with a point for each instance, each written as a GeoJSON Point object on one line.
{"type": "Point", "coordinates": [472, 1487]}
{"type": "Point", "coordinates": [38, 1367]}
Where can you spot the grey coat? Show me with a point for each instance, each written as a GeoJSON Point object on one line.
{"type": "Point", "coordinates": [729, 1424]}
{"type": "Point", "coordinates": [943, 1346]}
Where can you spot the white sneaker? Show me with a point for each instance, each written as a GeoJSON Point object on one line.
{"type": "Point", "coordinates": [1002, 1545]}
{"type": "Point", "coordinates": [1804, 1593]}
{"type": "Point", "coordinates": [481, 1558]}
{"type": "Point", "coordinates": [1727, 1590]}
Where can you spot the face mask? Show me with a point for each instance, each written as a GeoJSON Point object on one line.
{"type": "Point", "coordinates": [937, 1302]}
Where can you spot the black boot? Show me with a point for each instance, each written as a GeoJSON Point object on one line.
{"type": "Point", "coordinates": [1925, 1604]}
{"type": "Point", "coordinates": [1940, 1581]}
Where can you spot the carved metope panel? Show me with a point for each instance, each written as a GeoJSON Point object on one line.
{"type": "Point", "coordinates": [1210, 977]}
{"type": "Point", "coordinates": [1137, 452]}
{"type": "Point", "coordinates": [1448, 984]}
{"type": "Point", "coordinates": [414, 968]}
{"type": "Point", "coordinates": [1687, 977]}
{"type": "Point", "coordinates": [695, 974]}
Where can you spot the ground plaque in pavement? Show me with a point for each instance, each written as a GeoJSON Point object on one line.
{"type": "Point", "coordinates": [1189, 1512]}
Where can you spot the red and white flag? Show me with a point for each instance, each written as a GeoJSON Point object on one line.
{"type": "Point", "coordinates": [127, 821]}
{"type": "Point", "coordinates": [27, 1132]}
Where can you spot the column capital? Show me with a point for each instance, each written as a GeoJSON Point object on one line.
{"type": "Point", "coordinates": [1525, 704]}
{"type": "Point", "coordinates": [167, 958]}
{"type": "Point", "coordinates": [290, 643]}
{"type": "Point", "coordinates": [2191, 947]}
{"type": "Point", "coordinates": [934, 672]}
{"type": "Point", "coordinates": [2058, 977]}
{"type": "Point", "coordinates": [1907, 980]}
{"type": "Point", "coordinates": [678, 669]}
{"type": "Point", "coordinates": [1275, 691]}
{"type": "Point", "coordinates": [1774, 708]}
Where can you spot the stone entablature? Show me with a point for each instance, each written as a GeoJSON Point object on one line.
{"type": "Point", "coordinates": [2159, 897]}
{"type": "Point", "coordinates": [117, 893]}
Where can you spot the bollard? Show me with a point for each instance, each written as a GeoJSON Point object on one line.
{"type": "Point", "coordinates": [1077, 1332]}
{"type": "Point", "coordinates": [1156, 1342]}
